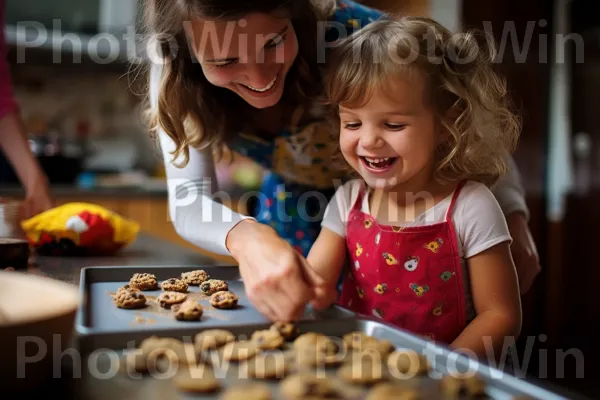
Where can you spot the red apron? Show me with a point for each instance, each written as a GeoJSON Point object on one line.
{"type": "Point", "coordinates": [409, 276]}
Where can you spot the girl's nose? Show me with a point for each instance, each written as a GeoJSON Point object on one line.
{"type": "Point", "coordinates": [370, 139]}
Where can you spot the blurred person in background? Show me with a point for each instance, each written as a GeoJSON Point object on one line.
{"type": "Point", "coordinates": [13, 140]}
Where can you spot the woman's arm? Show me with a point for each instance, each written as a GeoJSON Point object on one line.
{"type": "Point", "coordinates": [497, 302]}
{"type": "Point", "coordinates": [511, 196]}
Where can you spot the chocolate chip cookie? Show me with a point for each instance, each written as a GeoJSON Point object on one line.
{"type": "Point", "coordinates": [362, 369]}
{"type": "Point", "coordinates": [239, 351]}
{"type": "Point", "coordinates": [213, 286]}
{"type": "Point", "coordinates": [407, 363]}
{"type": "Point", "coordinates": [143, 281]}
{"type": "Point", "coordinates": [129, 299]}
{"type": "Point", "coordinates": [125, 288]}
{"type": "Point", "coordinates": [168, 299]}
{"type": "Point", "coordinates": [248, 391]}
{"type": "Point", "coordinates": [287, 330]}
{"type": "Point", "coordinates": [273, 365]}
{"type": "Point", "coordinates": [384, 391]}
{"type": "Point", "coordinates": [174, 285]}
{"type": "Point", "coordinates": [211, 339]}
{"type": "Point", "coordinates": [189, 310]}
{"type": "Point", "coordinates": [306, 385]}
{"type": "Point", "coordinates": [224, 299]}
{"type": "Point", "coordinates": [194, 278]}
{"type": "Point", "coordinates": [469, 385]}
{"type": "Point", "coordinates": [267, 339]}
{"type": "Point", "coordinates": [196, 379]}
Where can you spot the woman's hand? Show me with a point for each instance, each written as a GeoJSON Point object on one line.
{"type": "Point", "coordinates": [524, 251]}
{"type": "Point", "coordinates": [274, 273]}
{"type": "Point", "coordinates": [37, 200]}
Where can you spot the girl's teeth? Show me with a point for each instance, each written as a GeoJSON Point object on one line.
{"type": "Point", "coordinates": [376, 160]}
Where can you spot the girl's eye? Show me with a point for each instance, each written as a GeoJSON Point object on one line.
{"type": "Point", "coordinates": [395, 127]}
{"type": "Point", "coordinates": [352, 125]}
{"type": "Point", "coordinates": [275, 42]}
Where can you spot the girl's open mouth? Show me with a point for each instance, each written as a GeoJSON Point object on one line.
{"type": "Point", "coordinates": [378, 164]}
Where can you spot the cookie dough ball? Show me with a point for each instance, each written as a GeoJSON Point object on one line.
{"type": "Point", "coordinates": [306, 385]}
{"type": "Point", "coordinates": [196, 379]}
{"type": "Point", "coordinates": [274, 365]}
{"type": "Point", "coordinates": [407, 363]}
{"type": "Point", "coordinates": [213, 286]}
{"type": "Point", "coordinates": [248, 391]}
{"type": "Point", "coordinates": [174, 285]}
{"type": "Point", "coordinates": [143, 281]}
{"type": "Point", "coordinates": [211, 339]}
{"type": "Point", "coordinates": [171, 349]}
{"type": "Point", "coordinates": [189, 310]}
{"type": "Point", "coordinates": [126, 287]}
{"type": "Point", "coordinates": [224, 300]}
{"type": "Point", "coordinates": [194, 278]}
{"type": "Point", "coordinates": [287, 330]}
{"type": "Point", "coordinates": [362, 369]}
{"type": "Point", "coordinates": [267, 339]}
{"type": "Point", "coordinates": [129, 299]}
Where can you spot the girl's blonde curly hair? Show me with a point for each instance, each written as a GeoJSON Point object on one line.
{"type": "Point", "coordinates": [470, 100]}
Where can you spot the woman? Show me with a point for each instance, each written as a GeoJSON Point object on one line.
{"type": "Point", "coordinates": [13, 140]}
{"type": "Point", "coordinates": [247, 76]}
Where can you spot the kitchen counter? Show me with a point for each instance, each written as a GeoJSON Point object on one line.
{"type": "Point", "coordinates": [59, 191]}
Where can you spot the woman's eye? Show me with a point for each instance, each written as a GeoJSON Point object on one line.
{"type": "Point", "coordinates": [352, 125]}
{"type": "Point", "coordinates": [395, 127]}
{"type": "Point", "coordinates": [275, 42]}
{"type": "Point", "coordinates": [223, 64]}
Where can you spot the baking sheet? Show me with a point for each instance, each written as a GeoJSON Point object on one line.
{"type": "Point", "coordinates": [499, 385]}
{"type": "Point", "coordinates": [98, 313]}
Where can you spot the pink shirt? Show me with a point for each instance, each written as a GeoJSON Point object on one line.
{"type": "Point", "coordinates": [7, 101]}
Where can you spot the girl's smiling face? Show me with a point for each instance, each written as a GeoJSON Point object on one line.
{"type": "Point", "coordinates": [392, 139]}
{"type": "Point", "coordinates": [250, 56]}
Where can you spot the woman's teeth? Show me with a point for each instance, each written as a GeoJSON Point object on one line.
{"type": "Point", "coordinates": [379, 163]}
{"type": "Point", "coordinates": [269, 86]}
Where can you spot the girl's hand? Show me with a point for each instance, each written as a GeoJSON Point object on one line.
{"type": "Point", "coordinates": [524, 252]}
{"type": "Point", "coordinates": [273, 271]}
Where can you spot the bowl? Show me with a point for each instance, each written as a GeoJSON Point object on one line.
{"type": "Point", "coordinates": [14, 253]}
{"type": "Point", "coordinates": [37, 316]}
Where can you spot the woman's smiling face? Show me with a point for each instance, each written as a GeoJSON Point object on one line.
{"type": "Point", "coordinates": [250, 56]}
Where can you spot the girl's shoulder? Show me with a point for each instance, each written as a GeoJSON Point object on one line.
{"type": "Point", "coordinates": [354, 15]}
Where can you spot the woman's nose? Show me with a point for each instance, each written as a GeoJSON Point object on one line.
{"type": "Point", "coordinates": [258, 74]}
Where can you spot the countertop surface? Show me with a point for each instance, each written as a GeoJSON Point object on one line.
{"type": "Point", "coordinates": [99, 191]}
{"type": "Point", "coordinates": [146, 250]}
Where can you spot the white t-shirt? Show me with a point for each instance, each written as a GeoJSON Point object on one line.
{"type": "Point", "coordinates": [478, 221]}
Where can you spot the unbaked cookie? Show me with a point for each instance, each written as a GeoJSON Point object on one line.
{"type": "Point", "coordinates": [212, 286]}
{"type": "Point", "coordinates": [267, 339]}
{"type": "Point", "coordinates": [224, 299]}
{"type": "Point", "coordinates": [143, 281]}
{"type": "Point", "coordinates": [168, 299]}
{"type": "Point", "coordinates": [288, 330]}
{"type": "Point", "coordinates": [211, 339]}
{"type": "Point", "coordinates": [126, 288]}
{"type": "Point", "coordinates": [174, 285]}
{"type": "Point", "coordinates": [407, 363]}
{"type": "Point", "coordinates": [385, 391]}
{"type": "Point", "coordinates": [318, 340]}
{"type": "Point", "coordinates": [129, 299]}
{"type": "Point", "coordinates": [306, 385]}
{"type": "Point", "coordinates": [174, 350]}
{"type": "Point", "coordinates": [248, 391]}
{"type": "Point", "coordinates": [189, 310]}
{"type": "Point", "coordinates": [196, 379]}
{"type": "Point", "coordinates": [194, 278]}
{"type": "Point", "coordinates": [239, 350]}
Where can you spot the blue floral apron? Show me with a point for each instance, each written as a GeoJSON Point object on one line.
{"type": "Point", "coordinates": [301, 178]}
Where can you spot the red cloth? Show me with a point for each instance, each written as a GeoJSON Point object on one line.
{"type": "Point", "coordinates": [411, 277]}
{"type": "Point", "coordinates": [7, 101]}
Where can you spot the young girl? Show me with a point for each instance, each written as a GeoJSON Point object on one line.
{"type": "Point", "coordinates": [425, 123]}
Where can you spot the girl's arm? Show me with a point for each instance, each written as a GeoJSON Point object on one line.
{"type": "Point", "coordinates": [497, 302]}
{"type": "Point", "coordinates": [326, 258]}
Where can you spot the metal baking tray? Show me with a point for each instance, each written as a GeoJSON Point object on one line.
{"type": "Point", "coordinates": [98, 313]}
{"type": "Point", "coordinates": [105, 331]}
{"type": "Point", "coordinates": [500, 385]}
